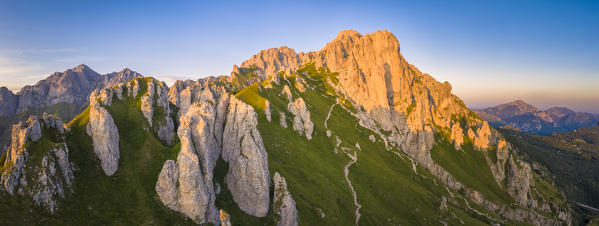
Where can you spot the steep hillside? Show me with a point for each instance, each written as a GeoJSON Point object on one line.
{"type": "Point", "coordinates": [574, 171]}
{"type": "Point", "coordinates": [349, 134]}
{"type": "Point", "coordinates": [527, 118]}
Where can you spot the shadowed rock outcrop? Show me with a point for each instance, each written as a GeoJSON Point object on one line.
{"type": "Point", "coordinates": [283, 203]}
{"type": "Point", "coordinates": [155, 108]}
{"type": "Point", "coordinates": [186, 186]}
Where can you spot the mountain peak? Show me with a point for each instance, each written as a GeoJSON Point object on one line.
{"type": "Point", "coordinates": [522, 106]}
{"type": "Point", "coordinates": [81, 68]}
{"type": "Point", "coordinates": [127, 71]}
{"type": "Point", "coordinates": [348, 33]}
{"type": "Point", "coordinates": [518, 102]}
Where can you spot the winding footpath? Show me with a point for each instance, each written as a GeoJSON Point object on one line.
{"type": "Point", "coordinates": [328, 116]}
{"type": "Point", "coordinates": [354, 159]}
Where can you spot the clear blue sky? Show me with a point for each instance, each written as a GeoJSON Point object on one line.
{"type": "Point", "coordinates": [544, 52]}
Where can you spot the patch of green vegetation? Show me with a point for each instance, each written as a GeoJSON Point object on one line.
{"type": "Point", "coordinates": [410, 109]}
{"type": "Point", "coordinates": [470, 168]}
{"type": "Point", "coordinates": [21, 210]}
{"type": "Point", "coordinates": [245, 77]}
{"type": "Point", "coordinates": [547, 190]}
{"type": "Point", "coordinates": [251, 96]}
{"type": "Point", "coordinates": [50, 138]}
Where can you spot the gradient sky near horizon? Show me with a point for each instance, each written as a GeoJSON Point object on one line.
{"type": "Point", "coordinates": [543, 52]}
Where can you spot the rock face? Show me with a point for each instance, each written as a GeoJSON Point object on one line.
{"type": "Point", "coordinates": [283, 203]}
{"type": "Point", "coordinates": [16, 156]}
{"type": "Point", "coordinates": [157, 97]}
{"type": "Point", "coordinates": [184, 93]}
{"type": "Point", "coordinates": [520, 115]}
{"type": "Point", "coordinates": [115, 78]}
{"type": "Point", "coordinates": [105, 137]}
{"type": "Point", "coordinates": [54, 178]}
{"type": "Point", "coordinates": [483, 137]}
{"type": "Point", "coordinates": [457, 135]}
{"type": "Point", "coordinates": [187, 186]}
{"type": "Point", "coordinates": [267, 62]}
{"type": "Point", "coordinates": [47, 181]}
{"type": "Point", "coordinates": [301, 120]}
{"type": "Point", "coordinates": [214, 120]}
{"type": "Point", "coordinates": [248, 177]}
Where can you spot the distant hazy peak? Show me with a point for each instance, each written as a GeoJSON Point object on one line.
{"type": "Point", "coordinates": [521, 115]}
{"type": "Point", "coordinates": [521, 105]}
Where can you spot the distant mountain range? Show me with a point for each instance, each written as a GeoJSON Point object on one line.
{"type": "Point", "coordinates": [63, 93]}
{"type": "Point", "coordinates": [527, 118]}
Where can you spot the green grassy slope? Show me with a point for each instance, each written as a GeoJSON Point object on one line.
{"type": "Point", "coordinates": [388, 189]}
{"type": "Point", "coordinates": [470, 167]}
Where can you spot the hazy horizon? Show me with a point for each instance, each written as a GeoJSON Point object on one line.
{"type": "Point", "coordinates": [544, 53]}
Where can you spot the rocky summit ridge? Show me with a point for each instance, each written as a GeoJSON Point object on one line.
{"type": "Point", "coordinates": [349, 134]}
